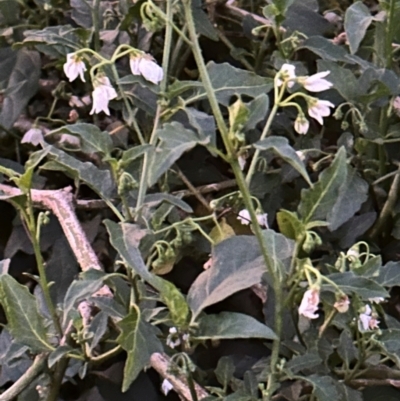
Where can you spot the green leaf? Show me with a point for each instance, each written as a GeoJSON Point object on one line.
{"type": "Point", "coordinates": [202, 22]}
{"type": "Point", "coordinates": [236, 264]}
{"type": "Point", "coordinates": [58, 353]}
{"type": "Point", "coordinates": [349, 394]}
{"type": "Point", "coordinates": [352, 283]}
{"type": "Point", "coordinates": [99, 180]}
{"type": "Point", "coordinates": [306, 361]}
{"type": "Point", "coordinates": [232, 325]}
{"type": "Point", "coordinates": [25, 181]}
{"type": "Point", "coordinates": [346, 349]}
{"type": "Point", "coordinates": [22, 84]}
{"type": "Point", "coordinates": [25, 322]}
{"type": "Point", "coordinates": [81, 13]}
{"type": "Point", "coordinates": [318, 201]}
{"type": "Point", "coordinates": [154, 200]}
{"type": "Point", "coordinates": [289, 224]}
{"type": "Point", "coordinates": [224, 371]}
{"type": "Point", "coordinates": [133, 153]}
{"type": "Point", "coordinates": [325, 387]}
{"type": "Point", "coordinates": [125, 239]}
{"type": "Point", "coordinates": [139, 340]}
{"type": "Point", "coordinates": [356, 22]}
{"type": "Point", "coordinates": [389, 275]}
{"type": "Point", "coordinates": [352, 194]}
{"type": "Point", "coordinates": [203, 123]}
{"type": "Point", "coordinates": [258, 110]}
{"type": "Point", "coordinates": [173, 298]}
{"type": "Point", "coordinates": [175, 140]}
{"type": "Point", "coordinates": [325, 49]}
{"type": "Point", "coordinates": [92, 139]}
{"type": "Point", "coordinates": [280, 146]}
{"type": "Point", "coordinates": [77, 292]}
{"type": "Point", "coordinates": [56, 41]}
{"type": "Point", "coordinates": [226, 81]}
{"type": "Point", "coordinates": [343, 80]}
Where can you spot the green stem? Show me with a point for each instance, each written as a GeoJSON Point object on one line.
{"type": "Point", "coordinates": [57, 379]}
{"type": "Point", "coordinates": [96, 24]}
{"type": "Point", "coordinates": [34, 230]}
{"type": "Point", "coordinates": [390, 29]}
{"type": "Point", "coordinates": [264, 133]}
{"type": "Point", "coordinates": [243, 187]}
{"type": "Point", "coordinates": [163, 87]}
{"type": "Point", "coordinates": [26, 379]}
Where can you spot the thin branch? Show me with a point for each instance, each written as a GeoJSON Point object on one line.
{"type": "Point", "coordinates": [192, 188]}
{"type": "Point", "coordinates": [26, 379]}
{"type": "Point", "coordinates": [162, 364]}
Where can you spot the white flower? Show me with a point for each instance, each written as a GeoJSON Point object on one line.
{"type": "Point", "coordinates": [145, 66]}
{"type": "Point", "coordinates": [242, 162]}
{"type": "Point", "coordinates": [316, 82]}
{"type": "Point", "coordinates": [244, 217]}
{"type": "Point", "coordinates": [166, 386]}
{"type": "Point", "coordinates": [376, 300]}
{"type": "Point", "coordinates": [301, 124]}
{"type": "Point", "coordinates": [319, 108]}
{"type": "Point", "coordinates": [102, 94]}
{"type": "Point", "coordinates": [286, 74]}
{"type": "Point", "coordinates": [173, 339]}
{"type": "Point", "coordinates": [74, 67]}
{"type": "Point", "coordinates": [262, 219]}
{"type": "Point", "coordinates": [367, 321]}
{"type": "Point", "coordinates": [309, 304]}
{"type": "Point", "coordinates": [342, 304]}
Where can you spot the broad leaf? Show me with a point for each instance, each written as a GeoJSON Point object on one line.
{"type": "Point", "coordinates": [22, 84]}
{"type": "Point", "coordinates": [125, 239]}
{"type": "Point", "coordinates": [258, 110]}
{"type": "Point", "coordinates": [91, 137]}
{"type": "Point", "coordinates": [352, 283]}
{"type": "Point", "coordinates": [389, 275]}
{"type": "Point", "coordinates": [236, 264]}
{"type": "Point", "coordinates": [25, 181]}
{"type": "Point", "coordinates": [25, 322]}
{"type": "Point", "coordinates": [352, 194]}
{"type": "Point", "coordinates": [175, 140]}
{"type": "Point", "coordinates": [139, 340]}
{"type": "Point", "coordinates": [343, 79]}
{"type": "Point", "coordinates": [318, 201]}
{"type": "Point", "coordinates": [325, 49]}
{"type": "Point", "coordinates": [356, 22]}
{"type": "Point", "coordinates": [325, 387]}
{"type": "Point", "coordinates": [78, 291]}
{"type": "Point", "coordinates": [280, 146]}
{"type": "Point", "coordinates": [100, 181]}
{"type": "Point", "coordinates": [232, 325]}
{"type": "Point", "coordinates": [226, 81]}
{"type": "Point", "coordinates": [304, 362]}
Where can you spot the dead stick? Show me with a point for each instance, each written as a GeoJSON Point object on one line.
{"type": "Point", "coordinates": [60, 202]}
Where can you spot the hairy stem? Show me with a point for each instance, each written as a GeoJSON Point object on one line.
{"type": "Point", "coordinates": [243, 187]}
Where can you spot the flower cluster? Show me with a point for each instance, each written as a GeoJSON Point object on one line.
{"type": "Point", "coordinates": [367, 320]}
{"type": "Point", "coordinates": [140, 64]}
{"type": "Point", "coordinates": [317, 108]}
